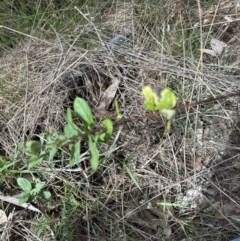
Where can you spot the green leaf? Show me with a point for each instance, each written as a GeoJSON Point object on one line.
{"type": "Point", "coordinates": [33, 147]}
{"type": "Point", "coordinates": [151, 98]}
{"type": "Point", "coordinates": [109, 125]}
{"type": "Point", "coordinates": [69, 115]}
{"type": "Point", "coordinates": [24, 184]}
{"type": "Point", "coordinates": [5, 166]}
{"type": "Point", "coordinates": [52, 153]}
{"type": "Point", "coordinates": [60, 139]}
{"type": "Point", "coordinates": [94, 153]}
{"type": "Point", "coordinates": [39, 186]}
{"type": "Point", "coordinates": [35, 160]}
{"type": "Point", "coordinates": [70, 130]}
{"type": "Point", "coordinates": [83, 111]}
{"type": "Point", "coordinates": [23, 198]}
{"type": "Point", "coordinates": [75, 153]}
{"type": "Point", "coordinates": [45, 195]}
{"type": "Point", "coordinates": [105, 136]}
{"type": "Point", "coordinates": [102, 137]}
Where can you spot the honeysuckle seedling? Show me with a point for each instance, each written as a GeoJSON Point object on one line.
{"type": "Point", "coordinates": [32, 191]}
{"type": "Point", "coordinates": [48, 147]}
{"type": "Point", "coordinates": [164, 103]}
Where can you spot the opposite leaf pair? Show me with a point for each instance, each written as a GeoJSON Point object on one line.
{"type": "Point", "coordinates": [163, 103]}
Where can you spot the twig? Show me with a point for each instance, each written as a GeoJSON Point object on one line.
{"type": "Point", "coordinates": [179, 107]}
{"type": "Point", "coordinates": [15, 201]}
{"type": "Point", "coordinates": [27, 35]}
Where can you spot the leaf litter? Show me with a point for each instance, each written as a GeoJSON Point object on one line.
{"type": "Point", "coordinates": [184, 166]}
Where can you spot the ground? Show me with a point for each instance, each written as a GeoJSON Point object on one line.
{"type": "Point", "coordinates": [151, 183]}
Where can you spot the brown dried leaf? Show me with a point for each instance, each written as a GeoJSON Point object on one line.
{"type": "Point", "coordinates": [217, 48]}
{"type": "Point", "coordinates": [108, 95]}
{"type": "Point", "coordinates": [154, 218]}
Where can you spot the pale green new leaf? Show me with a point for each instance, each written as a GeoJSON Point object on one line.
{"type": "Point", "coordinates": [168, 100]}
{"type": "Point", "coordinates": [165, 103]}
{"type": "Point", "coordinates": [151, 98]}
{"type": "Point", "coordinates": [52, 153]}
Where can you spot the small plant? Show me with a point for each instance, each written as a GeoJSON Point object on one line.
{"type": "Point", "coordinates": [32, 191]}
{"type": "Point", "coordinates": [50, 144]}
{"type": "Point", "coordinates": [163, 103]}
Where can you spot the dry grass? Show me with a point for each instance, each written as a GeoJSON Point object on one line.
{"type": "Point", "coordinates": [200, 156]}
